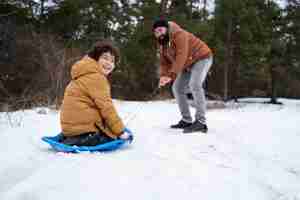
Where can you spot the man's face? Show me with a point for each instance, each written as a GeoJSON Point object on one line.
{"type": "Point", "coordinates": [160, 32]}
{"type": "Point", "coordinates": [162, 36]}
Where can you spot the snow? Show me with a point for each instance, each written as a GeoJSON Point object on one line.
{"type": "Point", "coordinates": [250, 152]}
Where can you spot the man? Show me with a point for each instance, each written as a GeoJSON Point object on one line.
{"type": "Point", "coordinates": [187, 59]}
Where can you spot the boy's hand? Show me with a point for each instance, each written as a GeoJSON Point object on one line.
{"type": "Point", "coordinates": [127, 135]}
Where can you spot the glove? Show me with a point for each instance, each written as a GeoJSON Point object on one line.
{"type": "Point", "coordinates": [127, 130]}
{"type": "Point", "coordinates": [127, 135]}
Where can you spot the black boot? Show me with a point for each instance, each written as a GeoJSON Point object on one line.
{"type": "Point", "coordinates": [181, 124]}
{"type": "Point", "coordinates": [195, 127]}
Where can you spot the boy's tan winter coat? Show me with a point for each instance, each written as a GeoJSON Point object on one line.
{"type": "Point", "coordinates": [87, 102]}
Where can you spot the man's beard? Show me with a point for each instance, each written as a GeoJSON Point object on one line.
{"type": "Point", "coordinates": [164, 39]}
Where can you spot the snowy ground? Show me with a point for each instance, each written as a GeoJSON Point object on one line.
{"type": "Point", "coordinates": [251, 152]}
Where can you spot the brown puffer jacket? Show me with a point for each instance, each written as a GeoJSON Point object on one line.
{"type": "Point", "coordinates": [87, 102]}
{"type": "Point", "coordinates": [183, 50]}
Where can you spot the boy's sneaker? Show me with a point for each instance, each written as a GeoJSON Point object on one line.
{"type": "Point", "coordinates": [181, 124]}
{"type": "Point", "coordinates": [195, 127]}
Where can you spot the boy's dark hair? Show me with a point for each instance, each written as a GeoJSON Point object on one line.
{"type": "Point", "coordinates": [104, 46]}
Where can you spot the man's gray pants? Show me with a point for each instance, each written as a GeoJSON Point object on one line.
{"type": "Point", "coordinates": [192, 80]}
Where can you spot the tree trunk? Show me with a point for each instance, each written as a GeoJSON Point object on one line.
{"type": "Point", "coordinates": [235, 80]}
{"type": "Point", "coordinates": [42, 14]}
{"type": "Point", "coordinates": [204, 17]}
{"type": "Point", "coordinates": [163, 7]}
{"type": "Point", "coordinates": [274, 87]}
{"type": "Point", "coordinates": [227, 62]}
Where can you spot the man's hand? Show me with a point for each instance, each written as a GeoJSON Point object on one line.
{"type": "Point", "coordinates": [164, 80]}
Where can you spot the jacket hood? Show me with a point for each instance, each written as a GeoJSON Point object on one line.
{"type": "Point", "coordinates": [85, 66]}
{"type": "Point", "coordinates": [174, 28]}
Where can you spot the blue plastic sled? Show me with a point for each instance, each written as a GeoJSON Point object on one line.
{"type": "Point", "coordinates": [58, 146]}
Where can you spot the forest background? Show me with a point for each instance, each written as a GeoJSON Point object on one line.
{"type": "Point", "coordinates": [255, 45]}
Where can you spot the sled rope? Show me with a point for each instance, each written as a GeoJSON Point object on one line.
{"type": "Point", "coordinates": [134, 114]}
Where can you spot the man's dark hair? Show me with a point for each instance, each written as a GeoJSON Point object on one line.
{"type": "Point", "coordinates": [160, 22]}
{"type": "Point", "coordinates": [104, 46]}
